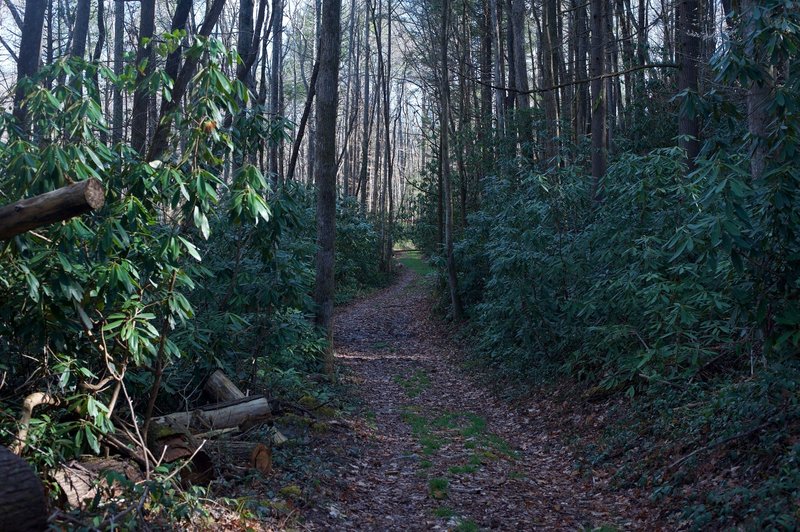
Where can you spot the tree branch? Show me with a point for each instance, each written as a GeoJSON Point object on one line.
{"type": "Point", "coordinates": [569, 83]}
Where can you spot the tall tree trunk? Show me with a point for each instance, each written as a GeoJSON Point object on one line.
{"type": "Point", "coordinates": [325, 171]}
{"type": "Point", "coordinates": [160, 141]}
{"type": "Point", "coordinates": [485, 120]}
{"type": "Point", "coordinates": [688, 55]}
{"type": "Point", "coordinates": [365, 119]}
{"type": "Point", "coordinates": [245, 38]}
{"type": "Point", "coordinates": [119, 49]}
{"type": "Point", "coordinates": [598, 96]}
{"type": "Point", "coordinates": [581, 51]}
{"type": "Point", "coordinates": [499, 78]}
{"type": "Point", "coordinates": [447, 199]}
{"type": "Point", "coordinates": [627, 53]}
{"type": "Point", "coordinates": [81, 29]}
{"type": "Point", "coordinates": [141, 96]}
{"type": "Point", "coordinates": [384, 75]}
{"type": "Point", "coordinates": [758, 96]}
{"type": "Point", "coordinates": [550, 55]}
{"type": "Point", "coordinates": [30, 47]}
{"type": "Point", "coordinates": [642, 44]}
{"type": "Point", "coordinates": [275, 83]}
{"type": "Point", "coordinates": [517, 23]}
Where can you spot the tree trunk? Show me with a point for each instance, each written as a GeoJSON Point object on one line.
{"type": "Point", "coordinates": [81, 29]}
{"type": "Point", "coordinates": [275, 82]}
{"type": "Point", "coordinates": [598, 97]}
{"type": "Point", "coordinates": [550, 57]}
{"type": "Point", "coordinates": [447, 199]}
{"type": "Point", "coordinates": [23, 506]}
{"type": "Point", "coordinates": [688, 55]}
{"type": "Point", "coordinates": [365, 120]}
{"type": "Point", "coordinates": [245, 39]}
{"type": "Point", "coordinates": [119, 48]}
{"type": "Point", "coordinates": [160, 140]}
{"type": "Point", "coordinates": [499, 79]}
{"type": "Point", "coordinates": [301, 128]}
{"type": "Point", "coordinates": [758, 96]}
{"type": "Point", "coordinates": [516, 23]}
{"type": "Point", "coordinates": [325, 169]}
{"type": "Point", "coordinates": [30, 46]}
{"type": "Point", "coordinates": [141, 96]}
{"type": "Point", "coordinates": [581, 51]}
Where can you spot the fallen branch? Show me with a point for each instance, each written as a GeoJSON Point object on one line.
{"type": "Point", "coordinates": [723, 441]}
{"type": "Point", "coordinates": [51, 207]}
{"type": "Point", "coordinates": [32, 401]}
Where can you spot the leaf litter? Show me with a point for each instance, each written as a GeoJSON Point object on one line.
{"type": "Point", "coordinates": [431, 448]}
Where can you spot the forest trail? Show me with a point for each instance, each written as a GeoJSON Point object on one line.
{"type": "Point", "coordinates": [434, 450]}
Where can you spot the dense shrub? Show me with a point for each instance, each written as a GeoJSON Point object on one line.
{"type": "Point", "coordinates": [195, 262]}
{"type": "Point", "coordinates": [678, 288]}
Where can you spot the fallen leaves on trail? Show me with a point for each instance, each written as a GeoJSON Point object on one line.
{"type": "Point", "coordinates": [433, 450]}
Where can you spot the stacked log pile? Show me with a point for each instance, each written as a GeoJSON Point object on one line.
{"type": "Point", "coordinates": [210, 437]}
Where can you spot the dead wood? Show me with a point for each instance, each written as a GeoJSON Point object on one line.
{"type": "Point", "coordinates": [238, 413]}
{"type": "Point", "coordinates": [221, 388]}
{"type": "Point", "coordinates": [23, 505]}
{"type": "Point", "coordinates": [51, 207]}
{"type": "Point", "coordinates": [32, 401]}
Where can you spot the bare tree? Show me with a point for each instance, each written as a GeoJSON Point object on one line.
{"type": "Point", "coordinates": [444, 155]}
{"type": "Point", "coordinates": [144, 57]}
{"type": "Point", "coordinates": [325, 169]}
{"type": "Point", "coordinates": [688, 51]}
{"type": "Point", "coordinates": [598, 10]}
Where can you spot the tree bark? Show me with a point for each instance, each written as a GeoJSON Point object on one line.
{"type": "Point", "coordinates": [248, 454]}
{"type": "Point", "coordinates": [365, 119]}
{"type": "Point", "coordinates": [221, 388]}
{"type": "Point", "coordinates": [598, 97]}
{"type": "Point", "coordinates": [144, 62]}
{"type": "Point", "coordinates": [325, 168]}
{"type": "Point", "coordinates": [81, 29]}
{"type": "Point", "coordinates": [119, 50]}
{"type": "Point", "coordinates": [236, 413]}
{"type": "Point", "coordinates": [275, 83]}
{"type": "Point", "coordinates": [447, 199]}
{"type": "Point", "coordinates": [30, 47]}
{"type": "Point", "coordinates": [758, 96]}
{"type": "Point", "coordinates": [688, 56]}
{"type": "Point", "coordinates": [51, 207]}
{"type": "Point", "coordinates": [301, 128]}
{"type": "Point", "coordinates": [23, 506]}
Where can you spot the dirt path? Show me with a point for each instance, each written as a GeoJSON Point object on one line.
{"type": "Point", "coordinates": [432, 450]}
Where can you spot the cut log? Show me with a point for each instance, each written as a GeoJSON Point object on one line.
{"type": "Point", "coordinates": [170, 443]}
{"type": "Point", "coordinates": [51, 207]}
{"type": "Point", "coordinates": [239, 413]}
{"type": "Point", "coordinates": [242, 454]}
{"type": "Point", "coordinates": [23, 506]}
{"type": "Point", "coordinates": [221, 388]}
{"type": "Point", "coordinates": [80, 481]}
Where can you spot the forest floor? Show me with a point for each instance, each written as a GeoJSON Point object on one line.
{"type": "Point", "coordinates": [429, 447]}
